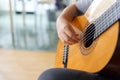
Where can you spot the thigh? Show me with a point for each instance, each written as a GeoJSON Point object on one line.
{"type": "Point", "coordinates": [69, 74]}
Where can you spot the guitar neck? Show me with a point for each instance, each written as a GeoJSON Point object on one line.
{"type": "Point", "coordinates": [108, 18]}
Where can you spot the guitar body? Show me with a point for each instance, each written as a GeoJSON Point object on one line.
{"type": "Point", "coordinates": [102, 56]}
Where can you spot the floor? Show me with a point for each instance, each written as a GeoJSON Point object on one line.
{"type": "Point", "coordinates": [35, 40]}
{"type": "Point", "coordinates": [24, 65]}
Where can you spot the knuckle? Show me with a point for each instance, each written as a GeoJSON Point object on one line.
{"type": "Point", "coordinates": [64, 27]}
{"type": "Point", "coordinates": [71, 35]}
{"type": "Point", "coordinates": [67, 39]}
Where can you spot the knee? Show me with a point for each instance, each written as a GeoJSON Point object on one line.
{"type": "Point", "coordinates": [50, 74]}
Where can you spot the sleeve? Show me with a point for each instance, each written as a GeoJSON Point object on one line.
{"type": "Point", "coordinates": [83, 5]}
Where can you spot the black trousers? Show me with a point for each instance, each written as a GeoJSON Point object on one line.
{"type": "Point", "coordinates": [70, 74]}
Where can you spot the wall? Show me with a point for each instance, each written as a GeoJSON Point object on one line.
{"type": "Point", "coordinates": [4, 5]}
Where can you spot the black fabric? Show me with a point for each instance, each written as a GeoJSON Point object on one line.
{"type": "Point", "coordinates": [69, 74]}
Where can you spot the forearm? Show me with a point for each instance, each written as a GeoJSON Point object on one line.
{"type": "Point", "coordinates": [65, 30]}
{"type": "Point", "coordinates": [70, 12]}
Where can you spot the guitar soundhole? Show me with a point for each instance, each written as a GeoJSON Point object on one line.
{"type": "Point", "coordinates": [89, 35]}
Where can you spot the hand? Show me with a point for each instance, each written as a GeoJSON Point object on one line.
{"type": "Point", "coordinates": [64, 27]}
{"type": "Point", "coordinates": [66, 32]}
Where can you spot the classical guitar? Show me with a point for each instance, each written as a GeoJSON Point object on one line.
{"type": "Point", "coordinates": [98, 49]}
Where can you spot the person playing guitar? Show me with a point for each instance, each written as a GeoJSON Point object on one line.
{"type": "Point", "coordinates": [68, 36]}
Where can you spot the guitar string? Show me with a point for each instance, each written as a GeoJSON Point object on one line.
{"type": "Point", "coordinates": [96, 21]}
{"type": "Point", "coordinates": [91, 29]}
{"type": "Point", "coordinates": [103, 25]}
{"type": "Point", "coordinates": [98, 27]}
{"type": "Point", "coordinates": [98, 24]}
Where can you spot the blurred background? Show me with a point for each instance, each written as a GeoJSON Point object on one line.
{"type": "Point", "coordinates": [28, 37]}
{"type": "Point", "coordinates": [30, 24]}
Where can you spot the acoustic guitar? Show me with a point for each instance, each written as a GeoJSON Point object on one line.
{"type": "Point", "coordinates": [99, 48]}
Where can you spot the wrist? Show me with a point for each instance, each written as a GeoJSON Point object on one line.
{"type": "Point", "coordinates": [70, 12]}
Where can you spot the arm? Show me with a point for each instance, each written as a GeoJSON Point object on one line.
{"type": "Point", "coordinates": [64, 28]}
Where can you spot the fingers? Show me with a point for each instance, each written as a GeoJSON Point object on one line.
{"type": "Point", "coordinates": [68, 35]}
{"type": "Point", "coordinates": [67, 40]}
{"type": "Point", "coordinates": [69, 31]}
